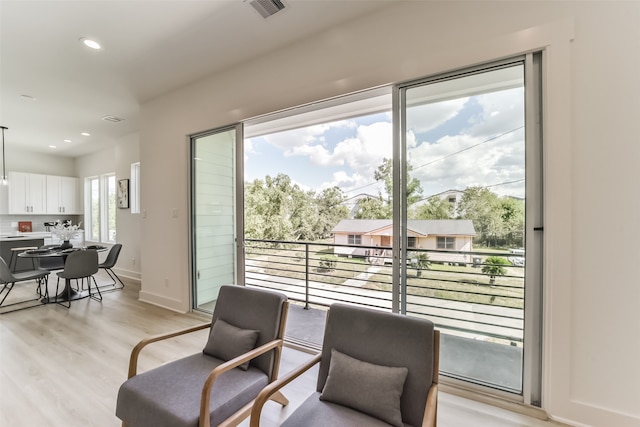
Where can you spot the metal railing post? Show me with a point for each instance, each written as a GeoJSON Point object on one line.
{"type": "Point", "coordinates": [306, 276]}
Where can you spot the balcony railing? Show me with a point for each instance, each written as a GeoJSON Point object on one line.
{"type": "Point", "coordinates": [451, 289]}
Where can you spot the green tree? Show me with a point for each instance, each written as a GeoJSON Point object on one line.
{"type": "Point", "coordinates": [277, 209]}
{"type": "Point", "coordinates": [481, 206]}
{"type": "Point", "coordinates": [267, 213]}
{"type": "Point", "coordinates": [512, 216]}
{"type": "Point", "coordinates": [380, 207]}
{"type": "Point", "coordinates": [494, 266]}
{"type": "Point", "coordinates": [329, 211]}
{"type": "Point", "coordinates": [384, 173]}
{"type": "Point", "coordinates": [373, 208]}
{"type": "Point", "coordinates": [420, 262]}
{"type": "Point", "coordinates": [435, 208]}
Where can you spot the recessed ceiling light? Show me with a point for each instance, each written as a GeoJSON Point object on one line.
{"type": "Point", "coordinates": [52, 146]}
{"type": "Point", "coordinates": [67, 140]}
{"type": "Point", "coordinates": [90, 43]}
{"type": "Point", "coordinates": [27, 97]}
{"type": "Point", "coordinates": [85, 134]}
{"type": "Point", "coordinates": [113, 119]}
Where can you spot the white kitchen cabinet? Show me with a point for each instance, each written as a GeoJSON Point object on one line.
{"type": "Point", "coordinates": [62, 195]}
{"type": "Point", "coordinates": [27, 193]}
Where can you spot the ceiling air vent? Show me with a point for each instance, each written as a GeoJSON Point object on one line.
{"type": "Point", "coordinates": [113, 119]}
{"type": "Point", "coordinates": [266, 8]}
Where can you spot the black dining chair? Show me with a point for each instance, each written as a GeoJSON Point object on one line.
{"type": "Point", "coordinates": [110, 262]}
{"type": "Point", "coordinates": [80, 265]}
{"type": "Point", "coordinates": [8, 279]}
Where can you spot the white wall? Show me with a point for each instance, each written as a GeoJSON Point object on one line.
{"type": "Point", "coordinates": [46, 164]}
{"type": "Point", "coordinates": [118, 159]}
{"type": "Point", "coordinates": [591, 314]}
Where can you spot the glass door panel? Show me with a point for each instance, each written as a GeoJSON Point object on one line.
{"type": "Point", "coordinates": [463, 141]}
{"type": "Point", "coordinates": [213, 217]}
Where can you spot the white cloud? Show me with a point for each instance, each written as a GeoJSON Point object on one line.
{"type": "Point", "coordinates": [310, 135]}
{"type": "Point", "coordinates": [423, 118]}
{"type": "Point", "coordinates": [450, 162]}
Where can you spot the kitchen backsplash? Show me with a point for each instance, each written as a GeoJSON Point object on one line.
{"type": "Point", "coordinates": [9, 223]}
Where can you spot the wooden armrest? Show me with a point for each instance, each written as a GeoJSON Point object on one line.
{"type": "Point", "coordinates": [133, 360]}
{"type": "Point", "coordinates": [275, 386]}
{"type": "Point", "coordinates": [227, 366]}
{"type": "Point", "coordinates": [431, 408]}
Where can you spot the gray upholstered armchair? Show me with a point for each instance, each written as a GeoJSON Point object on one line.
{"type": "Point", "coordinates": [218, 385]}
{"type": "Point", "coordinates": [376, 369]}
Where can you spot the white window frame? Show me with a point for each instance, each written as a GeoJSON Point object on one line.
{"type": "Point", "coordinates": [446, 242]}
{"type": "Point", "coordinates": [103, 208]}
{"type": "Point", "coordinates": [134, 197]}
{"type": "Point", "coordinates": [355, 239]}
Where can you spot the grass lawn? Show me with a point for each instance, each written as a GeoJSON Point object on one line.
{"type": "Point", "coordinates": [450, 282]}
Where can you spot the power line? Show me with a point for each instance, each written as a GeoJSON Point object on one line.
{"type": "Point", "coordinates": [451, 155]}
{"type": "Point", "coordinates": [470, 147]}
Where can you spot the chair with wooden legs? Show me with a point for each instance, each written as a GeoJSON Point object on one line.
{"type": "Point", "coordinates": [218, 385]}
{"type": "Point", "coordinates": [376, 369]}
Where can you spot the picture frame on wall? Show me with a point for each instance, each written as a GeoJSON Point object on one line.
{"type": "Point", "coordinates": [123, 194]}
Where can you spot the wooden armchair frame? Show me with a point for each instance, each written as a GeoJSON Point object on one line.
{"type": "Point", "coordinates": [431, 405]}
{"type": "Point", "coordinates": [244, 412]}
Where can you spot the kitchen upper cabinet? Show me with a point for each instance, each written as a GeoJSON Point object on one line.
{"type": "Point", "coordinates": [27, 193]}
{"type": "Point", "coordinates": [62, 195]}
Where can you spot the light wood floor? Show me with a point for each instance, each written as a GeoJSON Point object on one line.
{"type": "Point", "coordinates": [63, 367]}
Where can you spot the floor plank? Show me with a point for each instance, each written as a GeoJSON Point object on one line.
{"type": "Point", "coordinates": [63, 367]}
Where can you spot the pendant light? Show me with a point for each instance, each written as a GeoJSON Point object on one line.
{"type": "Point", "coordinates": [3, 181]}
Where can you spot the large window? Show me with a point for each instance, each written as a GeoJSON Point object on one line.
{"type": "Point", "coordinates": [442, 158]}
{"type": "Point", "coordinates": [100, 208]}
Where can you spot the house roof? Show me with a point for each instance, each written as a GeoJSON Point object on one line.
{"type": "Point", "coordinates": [425, 227]}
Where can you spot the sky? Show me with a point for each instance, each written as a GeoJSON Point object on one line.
{"type": "Point", "coordinates": [451, 144]}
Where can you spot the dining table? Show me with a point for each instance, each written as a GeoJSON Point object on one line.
{"type": "Point", "coordinates": [68, 293]}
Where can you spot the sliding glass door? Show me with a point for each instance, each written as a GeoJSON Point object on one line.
{"type": "Point", "coordinates": [423, 199]}
{"type": "Point", "coordinates": [213, 214]}
{"type": "Point", "coordinates": [468, 140]}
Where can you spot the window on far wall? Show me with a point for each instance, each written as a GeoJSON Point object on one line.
{"type": "Point", "coordinates": [134, 197]}
{"type": "Point", "coordinates": [355, 239]}
{"type": "Point", "coordinates": [446, 242]}
{"type": "Point", "coordinates": [100, 208]}
{"type": "Point", "coordinates": [411, 242]}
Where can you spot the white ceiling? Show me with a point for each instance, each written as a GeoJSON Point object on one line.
{"type": "Point", "coordinates": [150, 47]}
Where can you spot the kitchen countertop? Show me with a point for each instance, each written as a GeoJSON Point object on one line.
{"type": "Point", "coordinates": [9, 237]}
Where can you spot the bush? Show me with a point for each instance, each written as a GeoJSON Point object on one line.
{"type": "Point", "coordinates": [494, 266]}
{"type": "Point", "coordinates": [327, 262]}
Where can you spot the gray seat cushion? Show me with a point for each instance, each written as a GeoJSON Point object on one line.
{"type": "Point", "coordinates": [316, 413]}
{"type": "Point", "coordinates": [169, 395]}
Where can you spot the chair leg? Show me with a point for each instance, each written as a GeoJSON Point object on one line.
{"type": "Point", "coordinates": [99, 297]}
{"type": "Point", "coordinates": [43, 282]}
{"type": "Point", "coordinates": [8, 287]}
{"type": "Point", "coordinates": [115, 278]}
{"type": "Point", "coordinates": [68, 295]}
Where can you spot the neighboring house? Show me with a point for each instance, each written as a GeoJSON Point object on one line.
{"type": "Point", "coordinates": [446, 237]}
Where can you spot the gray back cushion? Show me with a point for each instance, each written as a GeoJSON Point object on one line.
{"type": "Point", "coordinates": [387, 339]}
{"type": "Point", "coordinates": [255, 309]}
